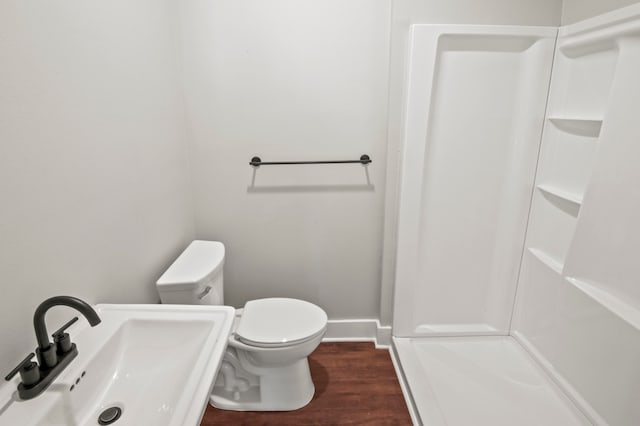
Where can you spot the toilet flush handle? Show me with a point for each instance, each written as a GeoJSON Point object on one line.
{"type": "Point", "coordinates": [206, 291]}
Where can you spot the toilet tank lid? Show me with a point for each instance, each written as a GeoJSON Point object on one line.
{"type": "Point", "coordinates": [199, 261]}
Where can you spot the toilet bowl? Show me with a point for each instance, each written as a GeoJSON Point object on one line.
{"type": "Point", "coordinates": [265, 366]}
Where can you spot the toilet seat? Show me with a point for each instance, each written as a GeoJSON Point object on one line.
{"type": "Point", "coordinates": [278, 322]}
{"type": "Point", "coordinates": [275, 345]}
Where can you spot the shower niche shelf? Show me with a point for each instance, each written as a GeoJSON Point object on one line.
{"type": "Point", "coordinates": [578, 126]}
{"type": "Point", "coordinates": [559, 192]}
{"type": "Point", "coordinates": [546, 259]}
{"type": "Point", "coordinates": [630, 314]}
{"type": "Point", "coordinates": [595, 291]}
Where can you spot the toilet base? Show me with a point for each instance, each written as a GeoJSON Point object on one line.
{"type": "Point", "coordinates": [284, 388]}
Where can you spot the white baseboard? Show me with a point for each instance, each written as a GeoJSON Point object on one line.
{"type": "Point", "coordinates": [383, 336]}
{"type": "Point", "coordinates": [358, 330]}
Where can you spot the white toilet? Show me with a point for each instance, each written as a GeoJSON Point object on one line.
{"type": "Point", "coordinates": [265, 366]}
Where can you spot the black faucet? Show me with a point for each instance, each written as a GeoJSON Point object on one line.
{"type": "Point", "coordinates": [52, 357]}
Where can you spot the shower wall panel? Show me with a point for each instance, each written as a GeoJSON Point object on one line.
{"type": "Point", "coordinates": [578, 305]}
{"type": "Point", "coordinates": [476, 101]}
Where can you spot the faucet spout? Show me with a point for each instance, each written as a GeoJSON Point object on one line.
{"type": "Point", "coordinates": [38, 317]}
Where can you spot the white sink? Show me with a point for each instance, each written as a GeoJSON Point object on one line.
{"type": "Point", "coordinates": [156, 363]}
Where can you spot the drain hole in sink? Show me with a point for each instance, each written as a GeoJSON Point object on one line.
{"type": "Point", "coordinates": [109, 415]}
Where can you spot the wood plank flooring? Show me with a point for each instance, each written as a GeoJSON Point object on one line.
{"type": "Point", "coordinates": [355, 385]}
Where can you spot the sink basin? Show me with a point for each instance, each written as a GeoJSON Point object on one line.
{"type": "Point", "coordinates": [156, 363]}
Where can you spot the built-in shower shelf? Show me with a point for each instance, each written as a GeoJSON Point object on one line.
{"type": "Point", "coordinates": [578, 126]}
{"type": "Point", "coordinates": [548, 260]}
{"type": "Point", "coordinates": [561, 193]}
{"type": "Point", "coordinates": [615, 304]}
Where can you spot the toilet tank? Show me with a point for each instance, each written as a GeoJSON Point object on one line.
{"type": "Point", "coordinates": [195, 277]}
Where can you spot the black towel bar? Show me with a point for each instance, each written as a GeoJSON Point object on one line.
{"type": "Point", "coordinates": [256, 161]}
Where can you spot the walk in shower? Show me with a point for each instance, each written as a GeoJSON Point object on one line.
{"type": "Point", "coordinates": [517, 296]}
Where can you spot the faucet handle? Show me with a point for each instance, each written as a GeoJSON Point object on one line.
{"type": "Point", "coordinates": [59, 332]}
{"type": "Point", "coordinates": [28, 370]}
{"type": "Point", "coordinates": [62, 339]}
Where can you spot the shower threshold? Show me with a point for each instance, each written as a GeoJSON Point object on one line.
{"type": "Point", "coordinates": [480, 381]}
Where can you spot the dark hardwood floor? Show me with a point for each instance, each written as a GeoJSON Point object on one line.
{"type": "Point", "coordinates": [355, 385]}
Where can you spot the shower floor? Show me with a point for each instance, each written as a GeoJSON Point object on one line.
{"type": "Point", "coordinates": [481, 381]}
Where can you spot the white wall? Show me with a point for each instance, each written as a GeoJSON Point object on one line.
{"type": "Point", "coordinates": [291, 80]}
{"type": "Point", "coordinates": [405, 13]}
{"type": "Point", "coordinates": [577, 10]}
{"type": "Point", "coordinates": [93, 171]}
